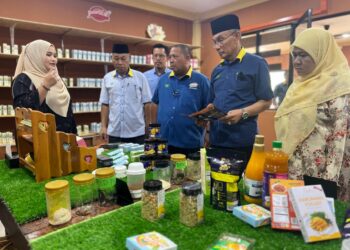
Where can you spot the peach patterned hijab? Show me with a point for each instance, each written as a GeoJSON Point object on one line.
{"type": "Point", "coordinates": [31, 63]}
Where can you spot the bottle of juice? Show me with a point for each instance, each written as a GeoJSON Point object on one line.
{"type": "Point", "coordinates": [253, 177]}
{"type": "Point", "coordinates": [276, 167]}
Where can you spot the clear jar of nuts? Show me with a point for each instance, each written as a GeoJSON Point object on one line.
{"type": "Point", "coordinates": [191, 204]}
{"type": "Point", "coordinates": [152, 200]}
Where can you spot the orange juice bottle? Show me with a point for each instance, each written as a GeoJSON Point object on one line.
{"type": "Point", "coordinates": [276, 167]}
{"type": "Point", "coordinates": [253, 177]}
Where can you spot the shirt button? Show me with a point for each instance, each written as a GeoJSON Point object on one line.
{"type": "Point", "coordinates": [173, 107]}
{"type": "Point", "coordinates": [172, 117]}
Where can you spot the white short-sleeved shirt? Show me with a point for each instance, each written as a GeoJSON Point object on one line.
{"type": "Point", "coordinates": [126, 97]}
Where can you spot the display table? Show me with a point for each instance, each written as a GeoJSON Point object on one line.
{"type": "Point", "coordinates": [110, 230]}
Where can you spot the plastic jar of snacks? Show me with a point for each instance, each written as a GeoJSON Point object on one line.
{"type": "Point", "coordinates": [179, 163]}
{"type": "Point", "coordinates": [153, 198]}
{"type": "Point", "coordinates": [85, 186]}
{"type": "Point", "coordinates": [136, 175]}
{"type": "Point", "coordinates": [106, 181]}
{"type": "Point", "coordinates": [58, 202]}
{"type": "Point", "coordinates": [193, 169]}
{"type": "Point", "coordinates": [154, 130]}
{"type": "Point", "coordinates": [162, 172]}
{"type": "Point", "coordinates": [191, 204]}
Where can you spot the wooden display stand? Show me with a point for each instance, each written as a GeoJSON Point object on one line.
{"type": "Point", "coordinates": [55, 153]}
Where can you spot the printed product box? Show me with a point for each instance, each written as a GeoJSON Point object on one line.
{"type": "Point", "coordinates": [282, 212]}
{"type": "Point", "coordinates": [314, 214]}
{"type": "Point", "coordinates": [150, 241]}
{"type": "Point", "coordinates": [253, 214]}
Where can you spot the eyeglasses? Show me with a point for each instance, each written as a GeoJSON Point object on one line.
{"type": "Point", "coordinates": [222, 40]}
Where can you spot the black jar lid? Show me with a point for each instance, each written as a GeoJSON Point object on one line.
{"type": "Point", "coordinates": [154, 125]}
{"type": "Point", "coordinates": [191, 188]}
{"type": "Point", "coordinates": [152, 185]}
{"type": "Point", "coordinates": [147, 157]}
{"type": "Point", "coordinates": [194, 156]}
{"type": "Point", "coordinates": [161, 157]}
{"type": "Point", "coordinates": [161, 163]}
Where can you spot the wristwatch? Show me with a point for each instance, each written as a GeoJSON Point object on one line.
{"type": "Point", "coordinates": [245, 114]}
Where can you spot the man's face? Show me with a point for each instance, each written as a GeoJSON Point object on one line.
{"type": "Point", "coordinates": [178, 61]}
{"type": "Point", "coordinates": [227, 43]}
{"type": "Point", "coordinates": [121, 62]}
{"type": "Point", "coordinates": [159, 58]}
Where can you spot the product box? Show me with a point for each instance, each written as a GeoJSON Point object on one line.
{"type": "Point", "coordinates": [316, 219]}
{"type": "Point", "coordinates": [231, 241]}
{"type": "Point", "coordinates": [282, 212]}
{"type": "Point", "coordinates": [150, 241]}
{"type": "Point", "coordinates": [253, 214]}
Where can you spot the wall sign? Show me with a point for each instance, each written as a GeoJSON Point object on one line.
{"type": "Point", "coordinates": [99, 14]}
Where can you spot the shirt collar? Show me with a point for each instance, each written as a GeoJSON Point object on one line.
{"type": "Point", "coordinates": [239, 57]}
{"type": "Point", "coordinates": [130, 73]}
{"type": "Point", "coordinates": [189, 73]}
{"type": "Point", "coordinates": [165, 71]}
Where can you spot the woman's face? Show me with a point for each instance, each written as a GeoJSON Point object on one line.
{"type": "Point", "coordinates": [302, 62]}
{"type": "Point", "coordinates": [50, 59]}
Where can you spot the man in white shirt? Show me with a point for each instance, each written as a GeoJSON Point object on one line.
{"type": "Point", "coordinates": [125, 98]}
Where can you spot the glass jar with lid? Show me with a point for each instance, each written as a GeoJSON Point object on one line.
{"type": "Point", "coordinates": [106, 181]}
{"type": "Point", "coordinates": [179, 163]}
{"type": "Point", "coordinates": [153, 198]}
{"type": "Point", "coordinates": [85, 187]}
{"type": "Point", "coordinates": [191, 204]}
{"type": "Point", "coordinates": [162, 172]}
{"type": "Point", "coordinates": [193, 169]}
{"type": "Point", "coordinates": [58, 202]}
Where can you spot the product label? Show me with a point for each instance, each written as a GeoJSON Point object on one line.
{"type": "Point", "coordinates": [253, 188]}
{"type": "Point", "coordinates": [200, 204]}
{"type": "Point", "coordinates": [161, 199]}
{"type": "Point", "coordinates": [266, 185]}
{"type": "Point", "coordinates": [181, 165]}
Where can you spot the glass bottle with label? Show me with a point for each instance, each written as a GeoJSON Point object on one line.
{"type": "Point", "coordinates": [276, 167]}
{"type": "Point", "coordinates": [253, 178]}
{"type": "Point", "coordinates": [179, 164]}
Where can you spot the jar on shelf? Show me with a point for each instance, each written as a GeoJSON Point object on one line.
{"type": "Point", "coordinates": [136, 175]}
{"type": "Point", "coordinates": [162, 172]}
{"type": "Point", "coordinates": [58, 202]}
{"type": "Point", "coordinates": [191, 204]}
{"type": "Point", "coordinates": [178, 165]}
{"type": "Point", "coordinates": [85, 187]}
{"type": "Point", "coordinates": [106, 181]}
{"type": "Point", "coordinates": [193, 169]}
{"type": "Point", "coordinates": [153, 198]}
{"type": "Point", "coordinates": [154, 130]}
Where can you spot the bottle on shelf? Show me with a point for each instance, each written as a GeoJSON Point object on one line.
{"type": "Point", "coordinates": [276, 167]}
{"type": "Point", "coordinates": [253, 177]}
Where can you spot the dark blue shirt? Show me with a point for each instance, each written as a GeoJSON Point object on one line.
{"type": "Point", "coordinates": [176, 99]}
{"type": "Point", "coordinates": [236, 85]}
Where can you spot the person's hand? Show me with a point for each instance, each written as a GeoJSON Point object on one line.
{"type": "Point", "coordinates": [103, 133]}
{"type": "Point", "coordinates": [51, 78]}
{"type": "Point", "coordinates": [200, 122]}
{"type": "Point", "coordinates": [232, 117]}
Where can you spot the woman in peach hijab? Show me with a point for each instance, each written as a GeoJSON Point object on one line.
{"type": "Point", "coordinates": [37, 85]}
{"type": "Point", "coordinates": [313, 121]}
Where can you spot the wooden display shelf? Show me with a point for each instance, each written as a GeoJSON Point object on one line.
{"type": "Point", "coordinates": [7, 116]}
{"type": "Point", "coordinates": [85, 112]}
{"type": "Point", "coordinates": [79, 32]}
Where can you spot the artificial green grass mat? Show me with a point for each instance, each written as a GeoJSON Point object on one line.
{"type": "Point", "coordinates": [110, 230]}
{"type": "Point", "coordinates": [24, 197]}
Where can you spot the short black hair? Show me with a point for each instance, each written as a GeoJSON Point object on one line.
{"type": "Point", "coordinates": [161, 46]}
{"type": "Point", "coordinates": [185, 49]}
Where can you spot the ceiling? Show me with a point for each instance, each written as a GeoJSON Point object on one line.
{"type": "Point", "coordinates": [190, 9]}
